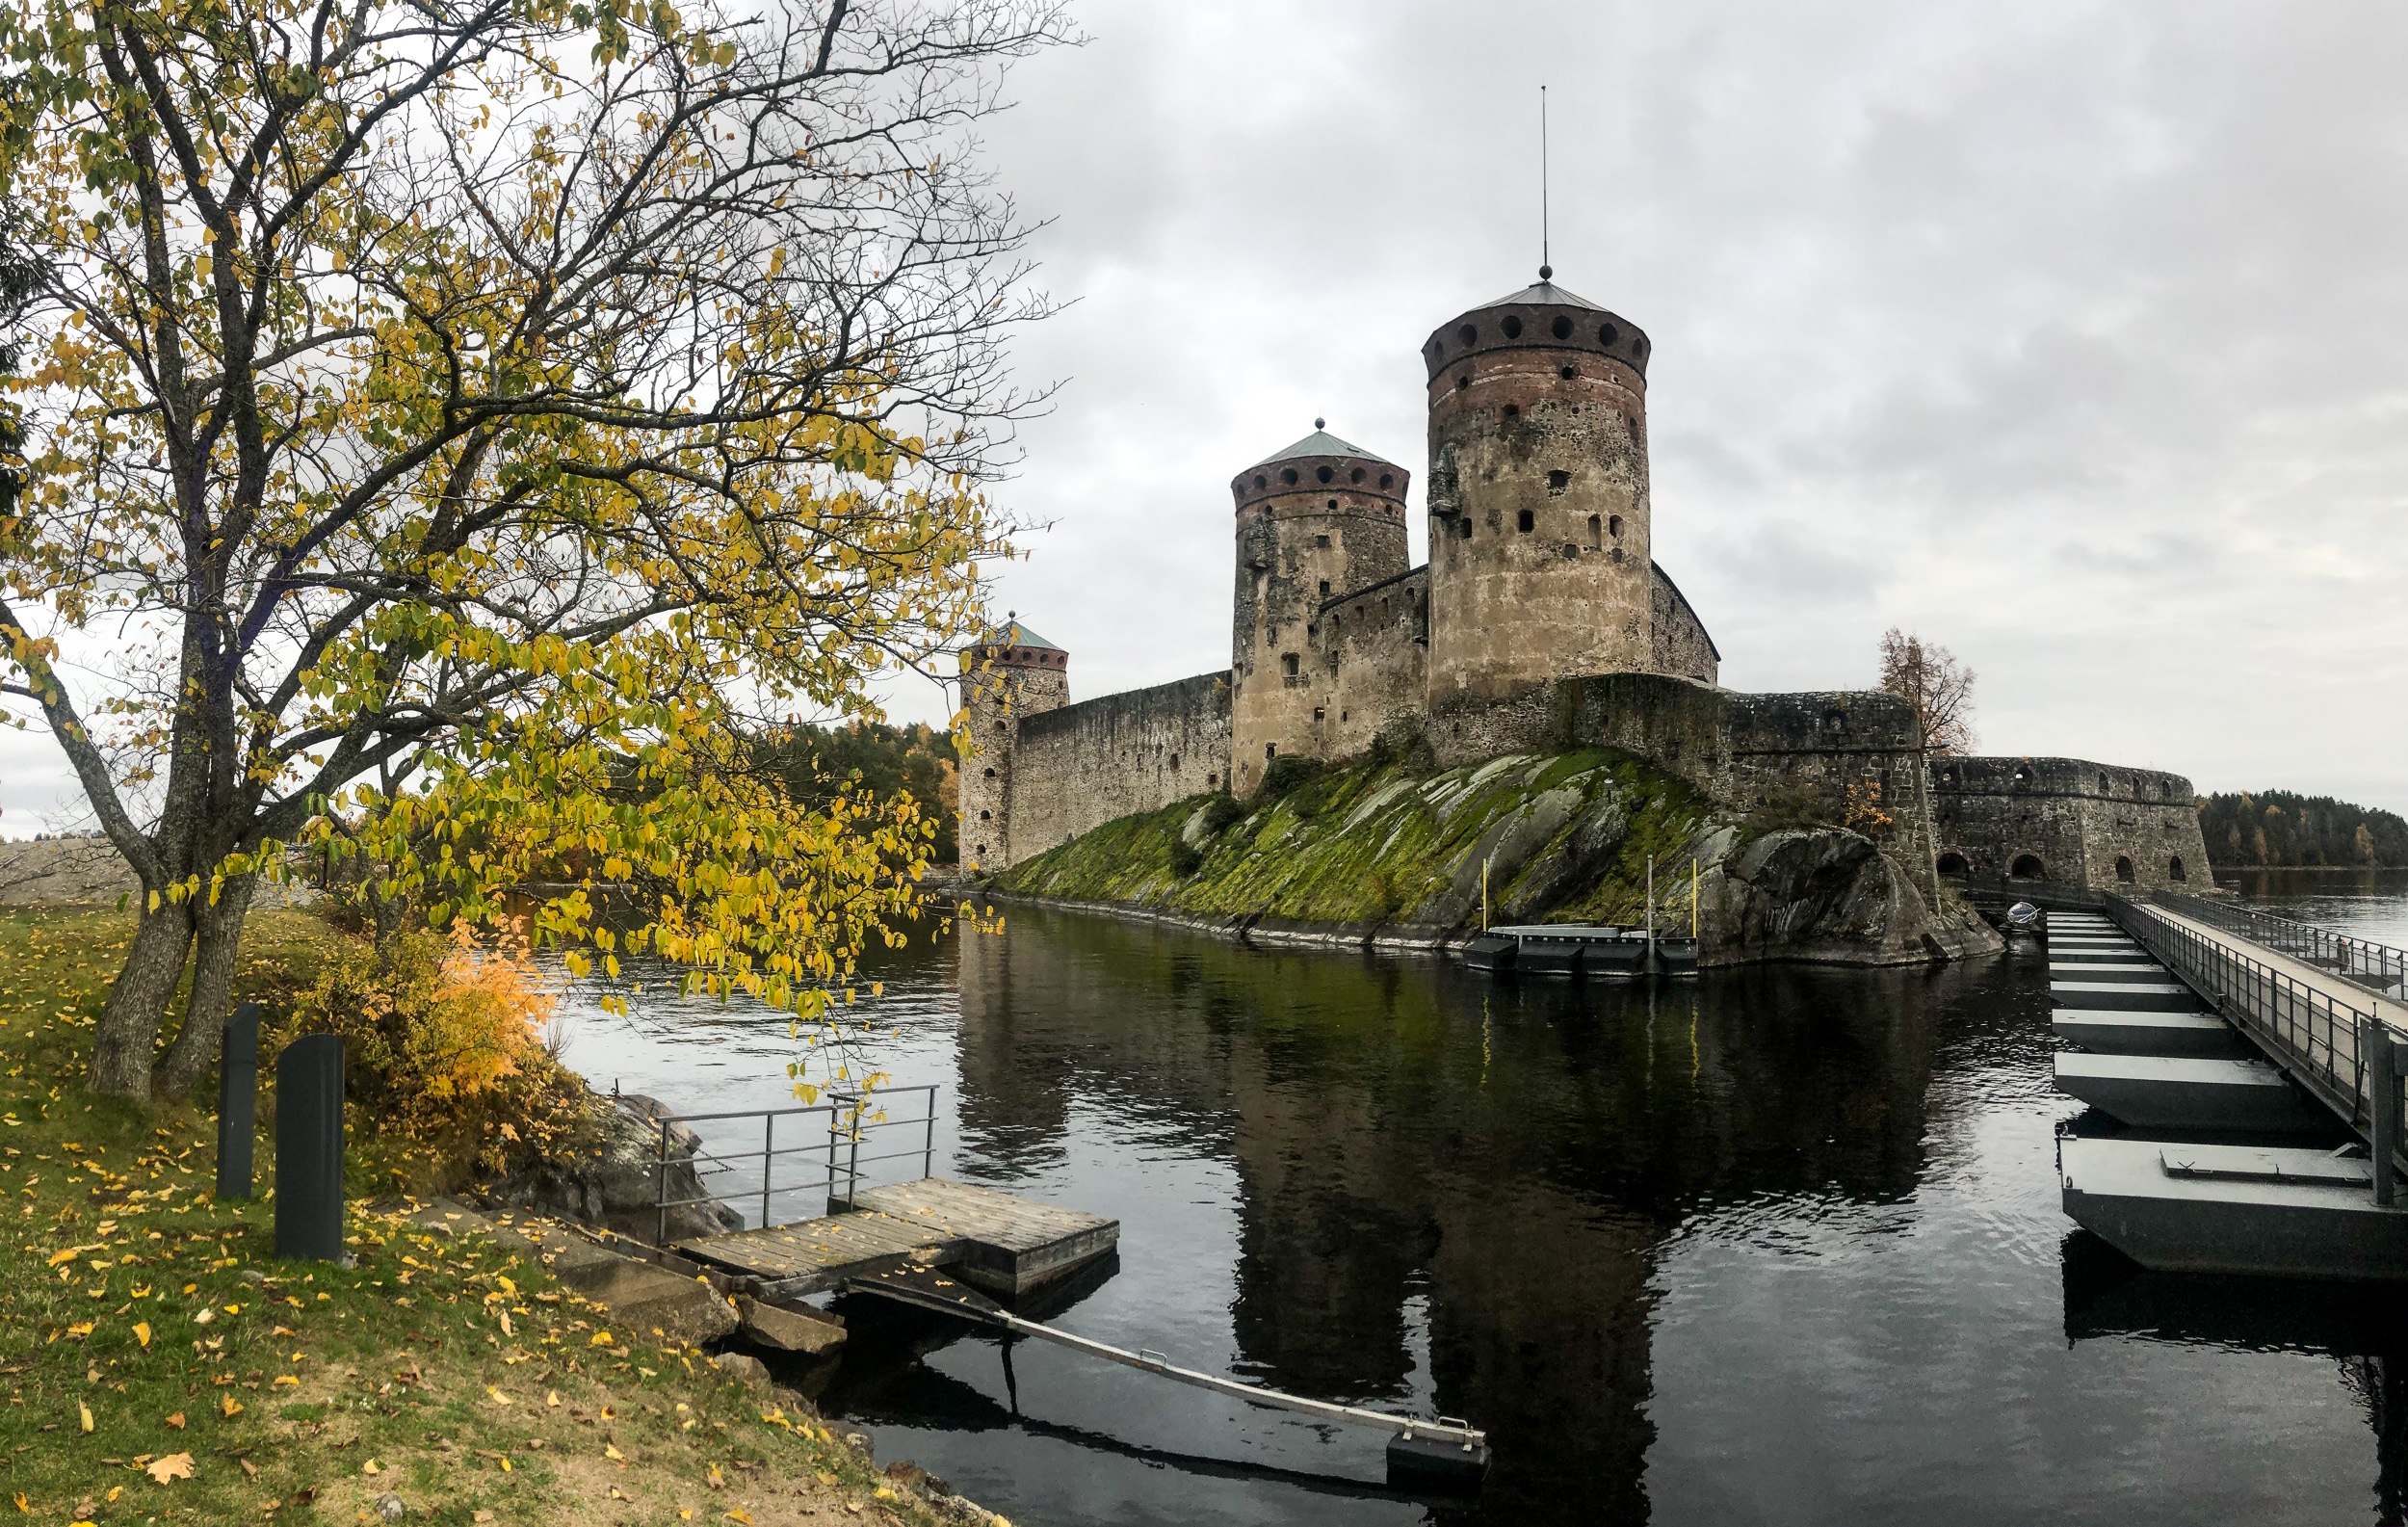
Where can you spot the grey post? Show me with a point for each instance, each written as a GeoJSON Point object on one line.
{"type": "Point", "coordinates": [2383, 1081]}
{"type": "Point", "coordinates": [768, 1155]}
{"type": "Point", "coordinates": [238, 1100]}
{"type": "Point", "coordinates": [309, 1149]}
{"type": "Point", "coordinates": [927, 1146]}
{"type": "Point", "coordinates": [660, 1182]}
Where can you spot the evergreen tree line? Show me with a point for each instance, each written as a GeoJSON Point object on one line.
{"type": "Point", "coordinates": [2275, 826]}
{"type": "Point", "coordinates": [816, 762]}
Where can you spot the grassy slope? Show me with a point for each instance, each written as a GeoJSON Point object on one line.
{"type": "Point", "coordinates": [455, 1374]}
{"type": "Point", "coordinates": [1373, 842]}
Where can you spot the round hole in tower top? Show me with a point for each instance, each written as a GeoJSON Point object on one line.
{"type": "Point", "coordinates": [1287, 476]}
{"type": "Point", "coordinates": [1260, 482]}
{"type": "Point", "coordinates": [1463, 380]}
{"type": "Point", "coordinates": [1333, 503]}
{"type": "Point", "coordinates": [1640, 345]}
{"type": "Point", "coordinates": [1512, 328]}
{"type": "Point", "coordinates": [1357, 476]}
{"type": "Point", "coordinates": [1562, 328]}
{"type": "Point", "coordinates": [1607, 333]}
{"type": "Point", "coordinates": [1386, 479]}
{"type": "Point", "coordinates": [1570, 372]}
{"type": "Point", "coordinates": [1325, 474]}
{"type": "Point", "coordinates": [1467, 334]}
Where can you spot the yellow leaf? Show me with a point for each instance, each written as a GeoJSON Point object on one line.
{"type": "Point", "coordinates": [610, 1451]}
{"type": "Point", "coordinates": [284, 1377]}
{"type": "Point", "coordinates": [176, 1420]}
{"type": "Point", "coordinates": [552, 1398]}
{"type": "Point", "coordinates": [142, 1333]}
{"type": "Point", "coordinates": [229, 1406]}
{"type": "Point", "coordinates": [372, 1467]}
{"type": "Point", "coordinates": [505, 1325]}
{"type": "Point", "coordinates": [86, 1410]}
{"type": "Point", "coordinates": [738, 1516]}
{"type": "Point", "coordinates": [175, 1466]}
{"type": "Point", "coordinates": [600, 1339]}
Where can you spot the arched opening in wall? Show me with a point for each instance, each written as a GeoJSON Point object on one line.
{"type": "Point", "coordinates": [1325, 588]}
{"type": "Point", "coordinates": [1385, 479]}
{"type": "Point", "coordinates": [1174, 763]}
{"type": "Point", "coordinates": [1562, 328]}
{"type": "Point", "coordinates": [1287, 664]}
{"type": "Point", "coordinates": [1466, 524]}
{"type": "Point", "coordinates": [1462, 381]}
{"type": "Point", "coordinates": [1356, 476]}
{"type": "Point", "coordinates": [1524, 520]}
{"type": "Point", "coordinates": [1324, 475]}
{"type": "Point", "coordinates": [1595, 526]}
{"type": "Point", "coordinates": [1511, 412]}
{"type": "Point", "coordinates": [986, 816]}
{"type": "Point", "coordinates": [982, 851]}
{"type": "Point", "coordinates": [2103, 786]}
{"type": "Point", "coordinates": [1955, 864]}
{"type": "Point", "coordinates": [1607, 333]}
{"type": "Point", "coordinates": [2174, 868]}
{"type": "Point", "coordinates": [2124, 869]}
{"type": "Point", "coordinates": [990, 774]}
{"type": "Point", "coordinates": [1212, 781]}
{"type": "Point", "coordinates": [1558, 481]}
{"type": "Point", "coordinates": [1512, 328]}
{"type": "Point", "coordinates": [2027, 867]}
{"type": "Point", "coordinates": [1287, 476]}
{"type": "Point", "coordinates": [1614, 527]}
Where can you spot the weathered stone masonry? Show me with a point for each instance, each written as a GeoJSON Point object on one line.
{"type": "Point", "coordinates": [1539, 621]}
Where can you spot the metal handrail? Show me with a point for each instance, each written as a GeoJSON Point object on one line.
{"type": "Point", "coordinates": [2344, 1053]}
{"type": "Point", "coordinates": [847, 1125]}
{"type": "Point", "coordinates": [2360, 962]}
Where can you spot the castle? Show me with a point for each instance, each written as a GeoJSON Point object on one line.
{"type": "Point", "coordinates": [1540, 621]}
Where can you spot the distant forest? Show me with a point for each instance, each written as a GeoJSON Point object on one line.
{"type": "Point", "coordinates": [2274, 827]}
{"type": "Point", "coordinates": [918, 760]}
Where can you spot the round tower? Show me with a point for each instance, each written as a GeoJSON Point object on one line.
{"type": "Point", "coordinates": [1316, 521]}
{"type": "Point", "coordinates": [1538, 507]}
{"type": "Point", "coordinates": [1011, 671]}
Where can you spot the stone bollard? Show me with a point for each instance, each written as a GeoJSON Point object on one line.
{"type": "Point", "coordinates": [309, 1149]}
{"type": "Point", "coordinates": [238, 1100]}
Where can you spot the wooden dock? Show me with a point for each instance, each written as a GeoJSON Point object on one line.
{"type": "Point", "coordinates": [993, 1240]}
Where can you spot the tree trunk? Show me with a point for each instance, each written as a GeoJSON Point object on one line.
{"type": "Point", "coordinates": [196, 1045]}
{"type": "Point", "coordinates": [129, 1025]}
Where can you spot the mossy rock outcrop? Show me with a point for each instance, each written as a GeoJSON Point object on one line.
{"type": "Point", "coordinates": [1376, 848]}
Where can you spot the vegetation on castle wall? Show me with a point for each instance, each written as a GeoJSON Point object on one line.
{"type": "Point", "coordinates": [1566, 837]}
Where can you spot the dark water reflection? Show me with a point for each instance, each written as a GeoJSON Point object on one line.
{"type": "Point", "coordinates": [1781, 1246]}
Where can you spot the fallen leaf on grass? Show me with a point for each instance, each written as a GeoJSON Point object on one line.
{"type": "Point", "coordinates": [229, 1406]}
{"type": "Point", "coordinates": [483, 1515]}
{"type": "Point", "coordinates": [738, 1516]}
{"type": "Point", "coordinates": [250, 1468]}
{"type": "Point", "coordinates": [610, 1451]}
{"type": "Point", "coordinates": [372, 1467]}
{"type": "Point", "coordinates": [176, 1420]}
{"type": "Point", "coordinates": [87, 1414]}
{"type": "Point", "coordinates": [142, 1333]}
{"type": "Point", "coordinates": [175, 1466]}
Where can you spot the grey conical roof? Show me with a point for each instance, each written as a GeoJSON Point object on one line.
{"type": "Point", "coordinates": [1320, 442]}
{"type": "Point", "coordinates": [1546, 294]}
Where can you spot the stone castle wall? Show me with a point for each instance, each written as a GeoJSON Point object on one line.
{"type": "Point", "coordinates": [1679, 642]}
{"type": "Point", "coordinates": [1084, 765]}
{"type": "Point", "coordinates": [1737, 750]}
{"type": "Point", "coordinates": [1372, 653]}
{"type": "Point", "coordinates": [998, 692]}
{"type": "Point", "coordinates": [2067, 821]}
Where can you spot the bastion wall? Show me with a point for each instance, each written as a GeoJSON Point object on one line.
{"type": "Point", "coordinates": [1080, 766]}
{"type": "Point", "coordinates": [2066, 821]}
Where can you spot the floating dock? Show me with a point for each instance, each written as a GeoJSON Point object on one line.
{"type": "Point", "coordinates": [1577, 949]}
{"type": "Point", "coordinates": [994, 1240]}
{"type": "Point", "coordinates": [2239, 1045]}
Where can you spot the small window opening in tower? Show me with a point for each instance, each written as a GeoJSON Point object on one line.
{"type": "Point", "coordinates": [1287, 664]}
{"type": "Point", "coordinates": [1467, 334]}
{"type": "Point", "coordinates": [1606, 335]}
{"type": "Point", "coordinates": [1570, 550]}
{"type": "Point", "coordinates": [1357, 476]}
{"type": "Point", "coordinates": [1271, 750]}
{"type": "Point", "coordinates": [1512, 328]}
{"type": "Point", "coordinates": [1594, 524]}
{"type": "Point", "coordinates": [1568, 373]}
{"type": "Point", "coordinates": [1321, 543]}
{"type": "Point", "coordinates": [1260, 482]}
{"type": "Point", "coordinates": [982, 851]}
{"type": "Point", "coordinates": [1513, 411]}
{"type": "Point", "coordinates": [1562, 328]}
{"type": "Point", "coordinates": [990, 774]}
{"type": "Point", "coordinates": [1466, 523]}
{"type": "Point", "coordinates": [2103, 787]}
{"type": "Point", "coordinates": [1462, 381]}
{"type": "Point", "coordinates": [2124, 868]}
{"type": "Point", "coordinates": [1614, 527]}
{"type": "Point", "coordinates": [1211, 779]}
{"type": "Point", "coordinates": [1386, 479]}
{"type": "Point", "coordinates": [1333, 503]}
{"type": "Point", "coordinates": [2174, 868]}
{"type": "Point", "coordinates": [1640, 345]}
{"type": "Point", "coordinates": [1174, 763]}
{"type": "Point", "coordinates": [1558, 481]}
{"type": "Point", "coordinates": [1320, 715]}
{"type": "Point", "coordinates": [1525, 520]}
{"type": "Point", "coordinates": [1287, 476]}
{"type": "Point", "coordinates": [1325, 474]}
{"type": "Point", "coordinates": [986, 816]}
{"type": "Point", "coordinates": [1325, 588]}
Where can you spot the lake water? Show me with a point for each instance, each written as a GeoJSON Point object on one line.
{"type": "Point", "coordinates": [1777, 1246]}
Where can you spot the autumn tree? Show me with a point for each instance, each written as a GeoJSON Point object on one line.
{"type": "Point", "coordinates": [453, 427]}
{"type": "Point", "coordinates": [1928, 676]}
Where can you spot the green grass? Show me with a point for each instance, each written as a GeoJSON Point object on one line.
{"type": "Point", "coordinates": [460, 1375]}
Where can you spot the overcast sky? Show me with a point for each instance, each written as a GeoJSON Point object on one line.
{"type": "Point", "coordinates": [2069, 335]}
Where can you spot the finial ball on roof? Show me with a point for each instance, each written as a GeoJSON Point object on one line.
{"type": "Point", "coordinates": [1321, 424]}
{"type": "Point", "coordinates": [1545, 273]}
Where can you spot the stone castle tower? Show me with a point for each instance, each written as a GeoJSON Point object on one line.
{"type": "Point", "coordinates": [1316, 521]}
{"type": "Point", "coordinates": [1538, 502]}
{"type": "Point", "coordinates": [1009, 672]}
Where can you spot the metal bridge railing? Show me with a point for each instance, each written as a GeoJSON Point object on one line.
{"type": "Point", "coordinates": [830, 1138]}
{"type": "Point", "coordinates": [2344, 1053]}
{"type": "Point", "coordinates": [2361, 961]}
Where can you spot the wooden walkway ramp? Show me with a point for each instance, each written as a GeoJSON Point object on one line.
{"type": "Point", "coordinates": [993, 1240]}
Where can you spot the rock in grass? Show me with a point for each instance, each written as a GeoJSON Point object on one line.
{"type": "Point", "coordinates": [389, 1507]}
{"type": "Point", "coordinates": [743, 1367]}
